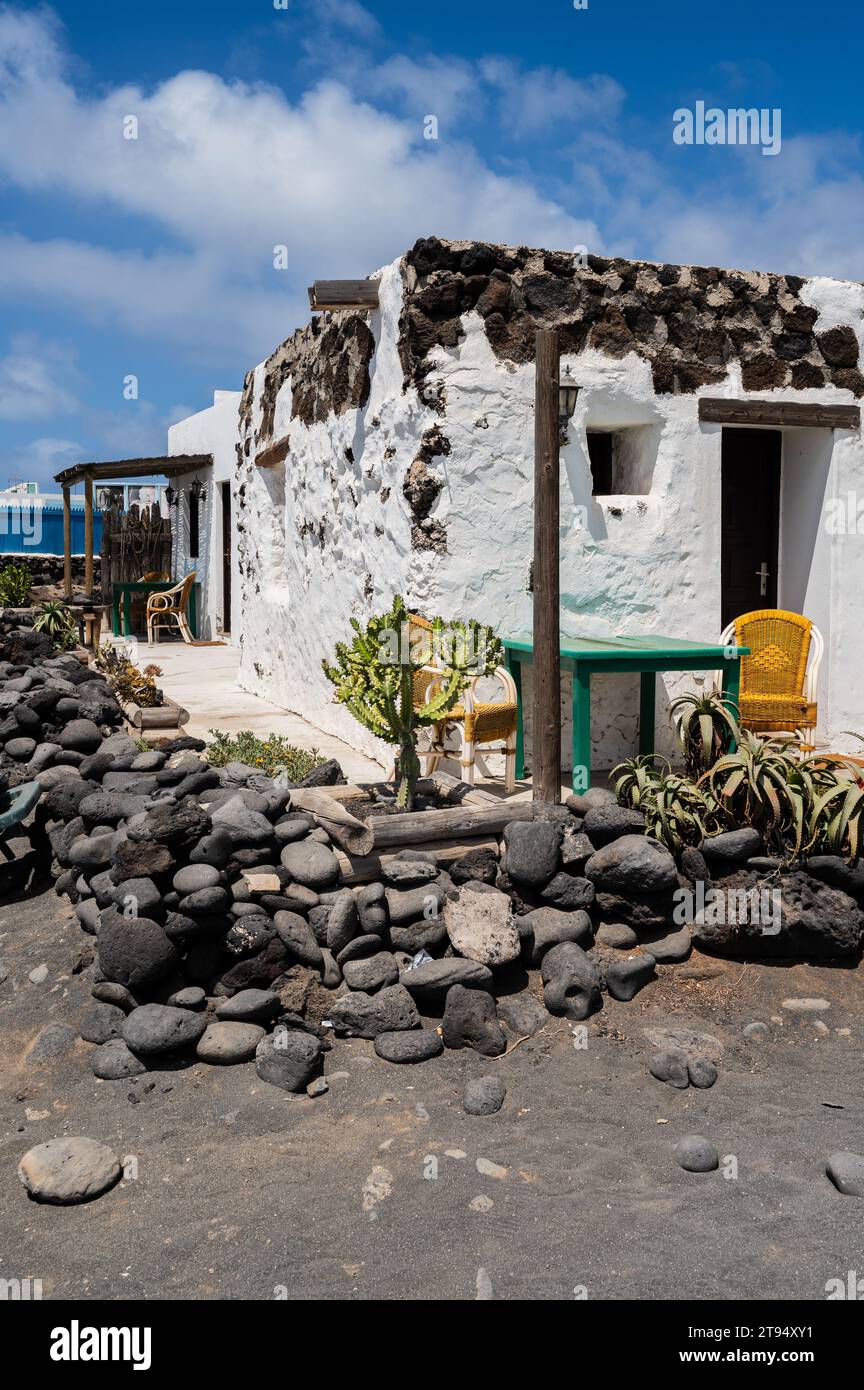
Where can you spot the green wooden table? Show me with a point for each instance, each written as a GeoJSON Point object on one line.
{"type": "Point", "coordinates": [121, 607]}
{"type": "Point", "coordinates": [645, 654]}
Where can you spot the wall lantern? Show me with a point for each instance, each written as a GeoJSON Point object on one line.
{"type": "Point", "coordinates": [170, 496]}
{"type": "Point", "coordinates": [198, 489]}
{"type": "Point", "coordinates": [567, 394]}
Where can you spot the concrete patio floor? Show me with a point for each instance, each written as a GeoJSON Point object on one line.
{"type": "Point", "coordinates": [204, 681]}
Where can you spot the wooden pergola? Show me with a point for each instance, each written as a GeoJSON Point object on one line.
{"type": "Point", "coordinates": [88, 473]}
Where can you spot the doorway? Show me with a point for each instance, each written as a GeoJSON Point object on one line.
{"type": "Point", "coordinates": [226, 557]}
{"type": "Point", "coordinates": [750, 521]}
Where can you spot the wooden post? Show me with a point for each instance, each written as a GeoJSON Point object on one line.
{"type": "Point", "coordinates": [88, 538]}
{"type": "Point", "coordinates": [546, 758]}
{"type": "Point", "coordinates": [67, 544]}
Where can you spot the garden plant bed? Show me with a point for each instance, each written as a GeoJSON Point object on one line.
{"type": "Point", "coordinates": [227, 924]}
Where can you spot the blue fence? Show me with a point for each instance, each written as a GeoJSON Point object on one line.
{"type": "Point", "coordinates": [29, 530]}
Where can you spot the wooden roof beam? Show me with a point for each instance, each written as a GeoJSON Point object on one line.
{"type": "Point", "coordinates": [343, 294]}
{"type": "Point", "coordinates": [721, 410]}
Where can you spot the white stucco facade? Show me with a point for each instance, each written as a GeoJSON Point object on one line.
{"type": "Point", "coordinates": [327, 533]}
{"type": "Point", "coordinates": [211, 431]}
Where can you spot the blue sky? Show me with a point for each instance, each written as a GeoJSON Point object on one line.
{"type": "Point", "coordinates": [261, 126]}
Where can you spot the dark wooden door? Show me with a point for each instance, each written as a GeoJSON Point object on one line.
{"type": "Point", "coordinates": [750, 521]}
{"type": "Point", "coordinates": [226, 557]}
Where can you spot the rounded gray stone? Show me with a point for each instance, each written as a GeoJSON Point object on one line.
{"type": "Point", "coordinates": [696, 1154]}
{"type": "Point", "coordinates": [371, 973]}
{"type": "Point", "coordinates": [484, 1095]}
{"type": "Point", "coordinates": [227, 1042]}
{"type": "Point", "coordinates": [152, 1029]}
{"type": "Point", "coordinates": [114, 1062]}
{"type": "Point", "coordinates": [192, 997]}
{"type": "Point", "coordinates": [67, 1171]}
{"type": "Point", "coordinates": [311, 864]}
{"type": "Point", "coordinates": [288, 1059]}
{"type": "Point", "coordinates": [196, 876]}
{"type": "Point", "coordinates": [412, 1045]}
{"type": "Point", "coordinates": [702, 1073]}
{"type": "Point", "coordinates": [249, 1006]}
{"type": "Point", "coordinates": [102, 1022]}
{"type": "Point", "coordinates": [846, 1171]}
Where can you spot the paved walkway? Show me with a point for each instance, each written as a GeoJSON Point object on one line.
{"type": "Point", "coordinates": [204, 681]}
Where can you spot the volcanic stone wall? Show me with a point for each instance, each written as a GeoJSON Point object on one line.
{"type": "Point", "coordinates": [689, 322]}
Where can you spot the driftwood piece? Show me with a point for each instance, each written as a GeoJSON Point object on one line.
{"type": "Point", "coordinates": [351, 834]}
{"type": "Point", "coordinates": [461, 793]}
{"type": "Point", "coordinates": [364, 868]}
{"type": "Point", "coordinates": [420, 827]}
{"type": "Point", "coordinates": [168, 715]}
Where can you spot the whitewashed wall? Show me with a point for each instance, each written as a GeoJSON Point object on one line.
{"type": "Point", "coordinates": [211, 431]}
{"type": "Point", "coordinates": [327, 535]}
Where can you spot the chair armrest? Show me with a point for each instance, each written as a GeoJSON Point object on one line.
{"type": "Point", "coordinates": [157, 602]}
{"type": "Point", "coordinates": [817, 650]}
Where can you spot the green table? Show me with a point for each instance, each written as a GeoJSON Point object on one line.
{"type": "Point", "coordinates": [647, 655]}
{"type": "Point", "coordinates": [122, 599]}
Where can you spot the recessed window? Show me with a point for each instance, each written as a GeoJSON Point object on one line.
{"type": "Point", "coordinates": [600, 455]}
{"type": "Point", "coordinates": [194, 524]}
{"type": "Point", "coordinates": [622, 461]}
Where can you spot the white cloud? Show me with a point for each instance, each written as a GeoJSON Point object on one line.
{"type": "Point", "coordinates": [223, 172]}
{"type": "Point", "coordinates": [549, 99]}
{"type": "Point", "coordinates": [347, 14]}
{"type": "Point", "coordinates": [38, 461]}
{"type": "Point", "coordinates": [36, 380]}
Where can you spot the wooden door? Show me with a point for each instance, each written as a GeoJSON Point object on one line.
{"type": "Point", "coordinates": [750, 521]}
{"type": "Point", "coordinates": [226, 557]}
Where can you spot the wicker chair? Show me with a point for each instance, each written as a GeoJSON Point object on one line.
{"type": "Point", "coordinates": [170, 606]}
{"type": "Point", "coordinates": [778, 688]}
{"type": "Point", "coordinates": [481, 725]}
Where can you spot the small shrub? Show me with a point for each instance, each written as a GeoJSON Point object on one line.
{"type": "Point", "coordinates": [14, 586]}
{"type": "Point", "coordinates": [131, 686]}
{"type": "Point", "coordinates": [57, 622]}
{"type": "Point", "coordinates": [271, 755]}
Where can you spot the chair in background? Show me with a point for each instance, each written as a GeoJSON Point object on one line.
{"type": "Point", "coordinates": [780, 677]}
{"type": "Point", "coordinates": [170, 606]}
{"type": "Point", "coordinates": [484, 726]}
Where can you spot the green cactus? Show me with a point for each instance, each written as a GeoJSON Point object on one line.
{"type": "Point", "coordinates": [374, 679]}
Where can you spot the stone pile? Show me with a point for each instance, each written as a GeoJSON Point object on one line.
{"type": "Point", "coordinates": [222, 929]}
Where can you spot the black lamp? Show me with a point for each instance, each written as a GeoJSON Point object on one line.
{"type": "Point", "coordinates": [170, 495]}
{"type": "Point", "coordinates": [567, 394]}
{"type": "Point", "coordinates": [198, 489]}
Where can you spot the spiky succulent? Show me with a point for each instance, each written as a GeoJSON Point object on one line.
{"type": "Point", "coordinates": [374, 678]}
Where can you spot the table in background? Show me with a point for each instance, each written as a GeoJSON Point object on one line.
{"type": "Point", "coordinates": [583, 656]}
{"type": "Point", "coordinates": [122, 599]}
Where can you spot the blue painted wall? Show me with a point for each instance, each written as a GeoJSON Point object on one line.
{"type": "Point", "coordinates": [23, 535]}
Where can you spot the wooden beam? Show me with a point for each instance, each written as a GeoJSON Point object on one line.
{"type": "Point", "coordinates": [88, 537]}
{"type": "Point", "coordinates": [273, 454]}
{"type": "Point", "coordinates": [167, 465]}
{"type": "Point", "coordinates": [717, 410]}
{"type": "Point", "coordinates": [67, 544]}
{"type": "Point", "coordinates": [546, 756]}
{"type": "Point", "coordinates": [343, 294]}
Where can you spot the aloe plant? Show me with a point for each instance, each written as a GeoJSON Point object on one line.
{"type": "Point", "coordinates": [679, 813]}
{"type": "Point", "coordinates": [761, 785]}
{"type": "Point", "coordinates": [57, 622]}
{"type": "Point", "coordinates": [635, 779]}
{"type": "Point", "coordinates": [374, 678]}
{"type": "Point", "coordinates": [707, 727]}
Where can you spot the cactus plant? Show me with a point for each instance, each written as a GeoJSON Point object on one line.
{"type": "Point", "coordinates": [374, 678]}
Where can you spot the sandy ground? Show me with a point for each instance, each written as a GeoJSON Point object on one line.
{"type": "Point", "coordinates": [374, 1190]}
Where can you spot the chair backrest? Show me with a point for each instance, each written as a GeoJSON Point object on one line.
{"type": "Point", "coordinates": [779, 644]}
{"type": "Point", "coordinates": [186, 589]}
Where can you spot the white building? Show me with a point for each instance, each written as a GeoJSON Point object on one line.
{"type": "Point", "coordinates": [393, 451]}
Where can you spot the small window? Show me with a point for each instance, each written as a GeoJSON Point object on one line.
{"type": "Point", "coordinates": [600, 453]}
{"type": "Point", "coordinates": [194, 516]}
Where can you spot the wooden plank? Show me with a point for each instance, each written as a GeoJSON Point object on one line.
{"type": "Point", "coordinates": [461, 793]}
{"type": "Point", "coordinates": [88, 538]}
{"type": "Point", "coordinates": [363, 869]}
{"type": "Point", "coordinates": [273, 454]}
{"type": "Point", "coordinates": [343, 294]}
{"type": "Point", "coordinates": [67, 544]}
{"type": "Point", "coordinates": [167, 464]}
{"type": "Point", "coordinates": [546, 757]}
{"type": "Point", "coordinates": [717, 410]}
{"type": "Point", "coordinates": [425, 827]}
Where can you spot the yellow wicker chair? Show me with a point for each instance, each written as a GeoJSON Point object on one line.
{"type": "Point", "coordinates": [485, 726]}
{"type": "Point", "coordinates": [778, 689]}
